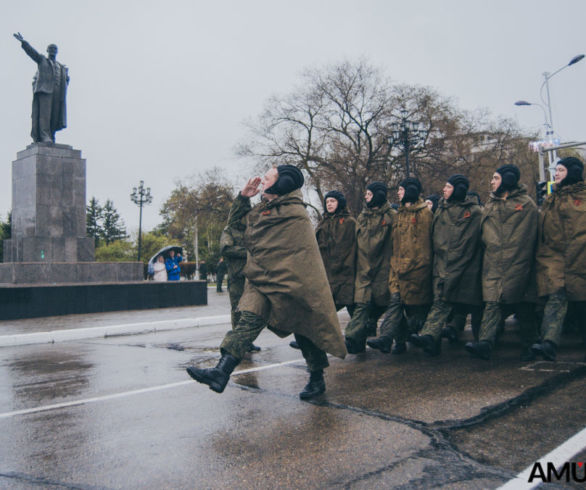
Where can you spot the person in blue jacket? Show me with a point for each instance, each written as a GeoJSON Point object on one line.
{"type": "Point", "coordinates": [172, 266]}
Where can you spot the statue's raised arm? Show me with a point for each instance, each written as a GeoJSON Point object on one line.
{"type": "Point", "coordinates": [49, 93]}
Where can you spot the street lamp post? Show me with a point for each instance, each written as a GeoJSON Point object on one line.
{"type": "Point", "coordinates": [409, 134]}
{"type": "Point", "coordinates": [548, 137]}
{"type": "Point", "coordinates": [548, 116]}
{"type": "Point", "coordinates": [140, 196]}
{"type": "Point", "coordinates": [546, 78]}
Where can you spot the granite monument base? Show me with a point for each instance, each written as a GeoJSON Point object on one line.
{"type": "Point", "coordinates": [32, 301]}
{"type": "Point", "coordinates": [49, 206]}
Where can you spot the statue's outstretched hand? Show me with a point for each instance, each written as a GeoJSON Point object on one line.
{"type": "Point", "coordinates": [19, 37]}
{"type": "Point", "coordinates": [251, 188]}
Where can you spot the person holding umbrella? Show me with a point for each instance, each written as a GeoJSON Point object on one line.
{"type": "Point", "coordinates": [172, 265]}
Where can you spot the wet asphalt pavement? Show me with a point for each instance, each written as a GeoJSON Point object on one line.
{"type": "Point", "coordinates": [120, 412]}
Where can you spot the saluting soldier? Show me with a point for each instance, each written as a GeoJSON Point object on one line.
{"type": "Point", "coordinates": [286, 288]}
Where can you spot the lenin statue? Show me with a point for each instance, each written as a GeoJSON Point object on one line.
{"type": "Point", "coordinates": [49, 91]}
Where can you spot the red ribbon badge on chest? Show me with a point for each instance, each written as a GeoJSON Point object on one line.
{"type": "Point", "coordinates": [519, 207]}
{"type": "Point", "coordinates": [577, 202]}
{"type": "Point", "coordinates": [467, 214]}
{"type": "Point", "coordinates": [341, 220]}
{"type": "Point", "coordinates": [414, 220]}
{"type": "Point", "coordinates": [266, 213]}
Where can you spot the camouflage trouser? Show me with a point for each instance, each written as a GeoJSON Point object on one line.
{"type": "Point", "coordinates": [400, 319]}
{"type": "Point", "coordinates": [459, 314]}
{"type": "Point", "coordinates": [436, 318]}
{"type": "Point", "coordinates": [362, 314]}
{"type": "Point", "coordinates": [235, 290]}
{"type": "Point", "coordinates": [553, 317]}
{"type": "Point", "coordinates": [493, 314]}
{"type": "Point", "coordinates": [455, 319]}
{"type": "Point", "coordinates": [237, 341]}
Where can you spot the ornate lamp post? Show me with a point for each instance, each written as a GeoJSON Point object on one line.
{"type": "Point", "coordinates": [141, 197]}
{"type": "Point", "coordinates": [409, 134]}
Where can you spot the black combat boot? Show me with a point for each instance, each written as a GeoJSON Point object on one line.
{"type": "Point", "coordinates": [380, 343]}
{"type": "Point", "coordinates": [315, 387]}
{"type": "Point", "coordinates": [253, 348]}
{"type": "Point", "coordinates": [527, 354]}
{"type": "Point", "coordinates": [480, 349]}
{"type": "Point", "coordinates": [399, 348]}
{"type": "Point", "coordinates": [354, 347]}
{"type": "Point", "coordinates": [294, 345]}
{"type": "Point", "coordinates": [547, 349]}
{"type": "Point", "coordinates": [450, 333]}
{"type": "Point", "coordinates": [371, 328]}
{"type": "Point", "coordinates": [426, 342]}
{"type": "Point", "coordinates": [417, 340]}
{"type": "Point", "coordinates": [216, 378]}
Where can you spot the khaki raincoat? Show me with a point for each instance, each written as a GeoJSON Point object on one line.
{"type": "Point", "coordinates": [509, 235]}
{"type": "Point", "coordinates": [457, 252]}
{"type": "Point", "coordinates": [286, 281]}
{"type": "Point", "coordinates": [411, 261]}
{"type": "Point", "coordinates": [561, 252]}
{"type": "Point", "coordinates": [336, 238]}
{"type": "Point", "coordinates": [374, 247]}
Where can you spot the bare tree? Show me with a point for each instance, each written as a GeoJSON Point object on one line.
{"type": "Point", "coordinates": [336, 128]}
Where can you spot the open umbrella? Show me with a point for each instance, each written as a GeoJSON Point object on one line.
{"type": "Point", "coordinates": [165, 253]}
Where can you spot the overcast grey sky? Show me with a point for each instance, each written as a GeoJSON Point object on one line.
{"type": "Point", "coordinates": [160, 89]}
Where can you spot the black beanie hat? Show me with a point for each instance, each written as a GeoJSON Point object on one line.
{"type": "Point", "coordinates": [575, 170]}
{"type": "Point", "coordinates": [290, 178]}
{"type": "Point", "coordinates": [461, 184]}
{"type": "Point", "coordinates": [434, 198]}
{"type": "Point", "coordinates": [338, 196]}
{"type": "Point", "coordinates": [510, 178]}
{"type": "Point", "coordinates": [379, 194]}
{"type": "Point", "coordinates": [412, 188]}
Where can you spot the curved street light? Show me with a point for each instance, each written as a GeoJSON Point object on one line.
{"type": "Point", "coordinates": [548, 115]}
{"type": "Point", "coordinates": [548, 76]}
{"type": "Point", "coordinates": [548, 135]}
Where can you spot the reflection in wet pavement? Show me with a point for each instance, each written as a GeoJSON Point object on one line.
{"type": "Point", "coordinates": [48, 375]}
{"type": "Point", "coordinates": [376, 425]}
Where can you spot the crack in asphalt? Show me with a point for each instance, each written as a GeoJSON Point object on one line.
{"type": "Point", "coordinates": [494, 411]}
{"type": "Point", "coordinates": [451, 464]}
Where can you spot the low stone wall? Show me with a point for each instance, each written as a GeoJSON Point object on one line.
{"type": "Point", "coordinates": [69, 272]}
{"type": "Point", "coordinates": [30, 301]}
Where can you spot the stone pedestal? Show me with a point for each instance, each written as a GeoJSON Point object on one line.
{"type": "Point", "coordinates": [49, 244]}
{"type": "Point", "coordinates": [48, 207]}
